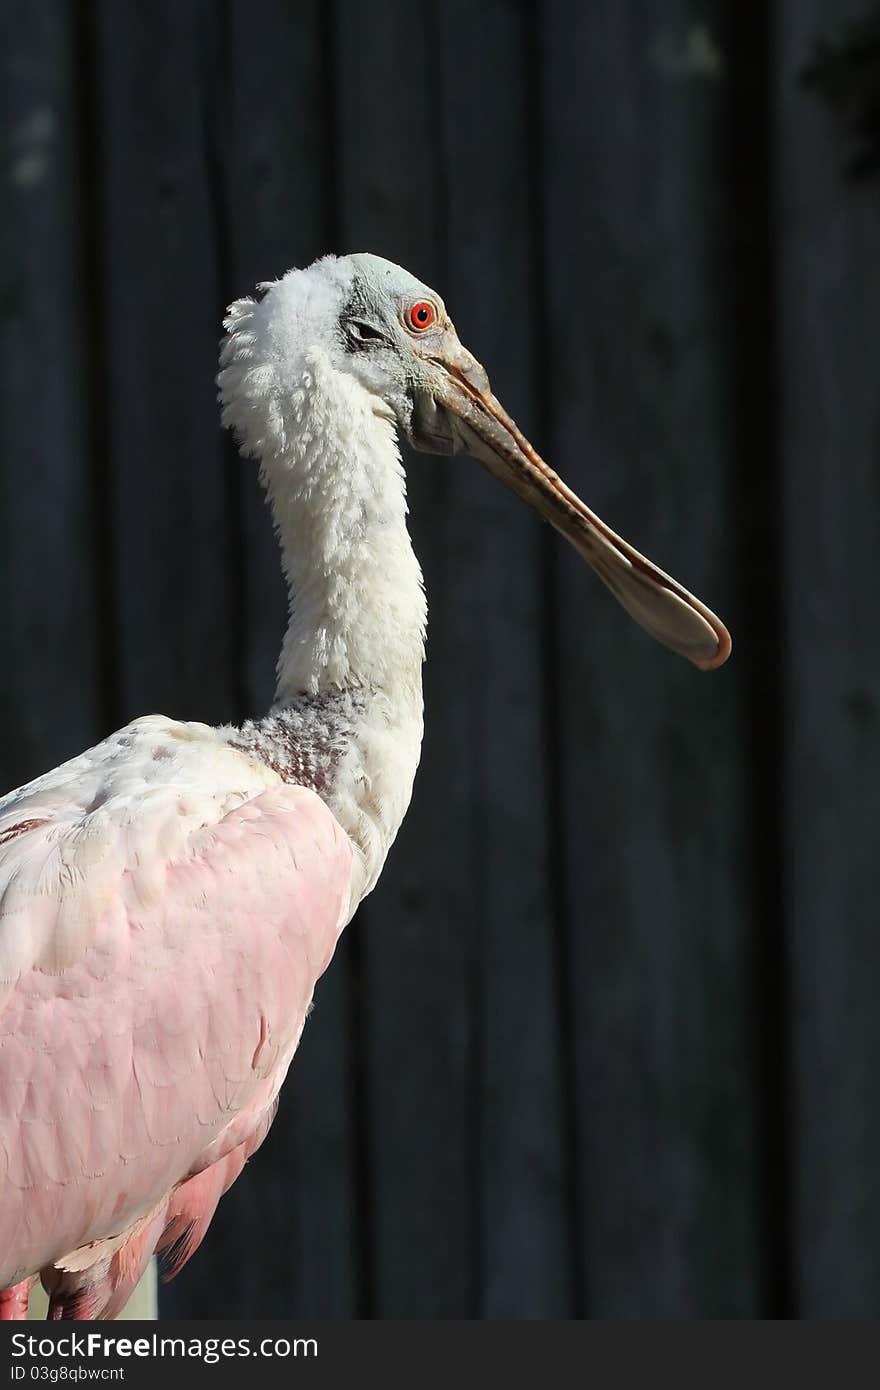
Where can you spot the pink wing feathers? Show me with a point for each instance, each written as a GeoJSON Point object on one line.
{"type": "Point", "coordinates": [158, 953]}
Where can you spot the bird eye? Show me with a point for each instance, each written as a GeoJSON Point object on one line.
{"type": "Point", "coordinates": [420, 316]}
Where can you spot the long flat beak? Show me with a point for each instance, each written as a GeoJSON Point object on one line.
{"type": "Point", "coordinates": [653, 598]}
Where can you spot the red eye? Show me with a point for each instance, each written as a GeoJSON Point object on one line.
{"type": "Point", "coordinates": [420, 316]}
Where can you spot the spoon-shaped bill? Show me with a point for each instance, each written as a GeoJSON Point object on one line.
{"type": "Point", "coordinates": [656, 601]}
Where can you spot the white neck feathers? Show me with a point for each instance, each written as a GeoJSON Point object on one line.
{"type": "Point", "coordinates": [331, 466]}
{"type": "Point", "coordinates": [338, 496]}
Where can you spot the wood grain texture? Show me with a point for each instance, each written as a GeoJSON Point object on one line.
{"type": "Point", "coordinates": [827, 234]}
{"type": "Point", "coordinates": [416, 934]}
{"type": "Point", "coordinates": [652, 796]}
{"type": "Point", "coordinates": [161, 298]}
{"type": "Point", "coordinates": [500, 597]}
{"type": "Point", "coordinates": [50, 697]}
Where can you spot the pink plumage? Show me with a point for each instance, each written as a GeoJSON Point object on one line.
{"type": "Point", "coordinates": [169, 898]}
{"type": "Point", "coordinates": [159, 945]}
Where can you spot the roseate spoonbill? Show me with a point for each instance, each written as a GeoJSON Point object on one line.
{"type": "Point", "coordinates": [169, 898]}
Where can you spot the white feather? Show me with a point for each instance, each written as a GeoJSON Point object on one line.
{"type": "Point", "coordinates": [332, 469]}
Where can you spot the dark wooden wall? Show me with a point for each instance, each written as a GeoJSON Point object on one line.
{"type": "Point", "coordinates": [606, 1041]}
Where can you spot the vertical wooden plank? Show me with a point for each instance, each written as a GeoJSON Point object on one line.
{"type": "Point", "coordinates": [416, 933]}
{"type": "Point", "coordinates": [281, 150]}
{"type": "Point", "coordinates": [172, 542]}
{"type": "Point", "coordinates": [50, 698]}
{"type": "Point", "coordinates": [275, 154]}
{"type": "Point", "coordinates": [641, 247]}
{"type": "Point", "coordinates": [497, 595]}
{"type": "Point", "coordinates": [828, 231]}
{"type": "Point", "coordinates": [51, 703]}
{"type": "Point", "coordinates": [170, 549]}
{"type": "Point", "coordinates": [287, 1233]}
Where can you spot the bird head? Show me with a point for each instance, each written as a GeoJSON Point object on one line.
{"type": "Point", "coordinates": [380, 327]}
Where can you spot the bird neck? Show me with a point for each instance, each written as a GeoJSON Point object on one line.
{"type": "Point", "coordinates": [350, 664]}
{"type": "Point", "coordinates": [338, 497]}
